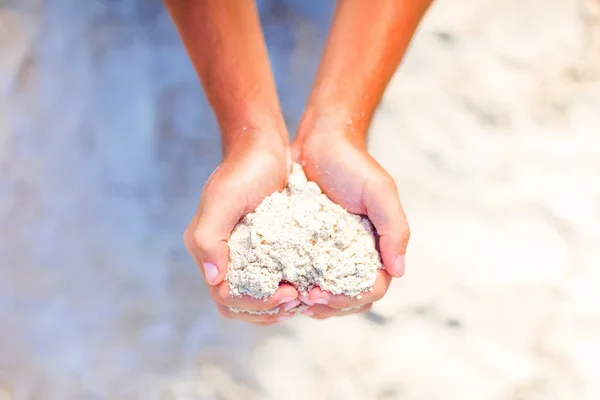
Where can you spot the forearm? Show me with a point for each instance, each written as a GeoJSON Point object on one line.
{"type": "Point", "coordinates": [226, 46]}
{"type": "Point", "coordinates": [365, 46]}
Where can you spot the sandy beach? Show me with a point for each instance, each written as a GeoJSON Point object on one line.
{"type": "Point", "coordinates": [491, 128]}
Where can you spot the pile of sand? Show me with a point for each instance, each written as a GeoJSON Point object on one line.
{"type": "Point", "coordinates": [301, 237]}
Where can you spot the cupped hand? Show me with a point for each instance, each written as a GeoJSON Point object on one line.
{"type": "Point", "coordinates": [247, 175]}
{"type": "Point", "coordinates": [339, 163]}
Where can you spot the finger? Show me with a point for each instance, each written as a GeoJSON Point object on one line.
{"type": "Point", "coordinates": [383, 207]}
{"type": "Point", "coordinates": [229, 313]}
{"type": "Point", "coordinates": [195, 256]}
{"type": "Point", "coordinates": [254, 317]}
{"type": "Point", "coordinates": [380, 287]}
{"type": "Point", "coordinates": [220, 209]}
{"type": "Point", "coordinates": [322, 312]}
{"type": "Point", "coordinates": [221, 295]}
{"type": "Point", "coordinates": [280, 313]}
{"type": "Point", "coordinates": [318, 296]}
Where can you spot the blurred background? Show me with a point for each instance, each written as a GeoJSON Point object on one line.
{"type": "Point", "coordinates": [491, 128]}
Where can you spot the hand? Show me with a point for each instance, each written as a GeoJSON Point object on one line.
{"type": "Point", "coordinates": [337, 160]}
{"type": "Point", "coordinates": [249, 173]}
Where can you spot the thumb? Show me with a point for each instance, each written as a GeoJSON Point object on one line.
{"type": "Point", "coordinates": [218, 213]}
{"type": "Point", "coordinates": [384, 209]}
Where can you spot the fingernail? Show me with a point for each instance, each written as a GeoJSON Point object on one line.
{"type": "Point", "coordinates": [284, 318]}
{"type": "Point", "coordinates": [308, 313]}
{"type": "Point", "coordinates": [286, 300]}
{"type": "Point", "coordinates": [320, 300]}
{"type": "Point", "coordinates": [399, 267]}
{"type": "Point", "coordinates": [306, 301]}
{"type": "Point", "coordinates": [211, 272]}
{"type": "Point", "coordinates": [291, 305]}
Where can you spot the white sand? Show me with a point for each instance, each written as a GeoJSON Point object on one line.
{"type": "Point", "coordinates": [301, 237]}
{"type": "Point", "coordinates": [491, 129]}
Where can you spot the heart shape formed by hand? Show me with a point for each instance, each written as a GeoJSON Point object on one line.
{"type": "Point", "coordinates": [301, 237]}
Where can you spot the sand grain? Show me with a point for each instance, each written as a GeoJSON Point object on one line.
{"type": "Point", "coordinates": [302, 237]}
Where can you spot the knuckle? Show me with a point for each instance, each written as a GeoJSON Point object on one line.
{"type": "Point", "coordinates": [188, 239]}
{"type": "Point", "coordinates": [200, 239]}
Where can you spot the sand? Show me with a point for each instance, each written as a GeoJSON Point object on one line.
{"type": "Point", "coordinates": [301, 237]}
{"type": "Point", "coordinates": [490, 129]}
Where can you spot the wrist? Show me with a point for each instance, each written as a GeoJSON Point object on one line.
{"type": "Point", "coordinates": [266, 135]}
{"type": "Point", "coordinates": [323, 124]}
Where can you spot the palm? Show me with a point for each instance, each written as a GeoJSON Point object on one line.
{"type": "Point", "coordinates": [349, 176]}
{"type": "Point", "coordinates": [342, 170]}
{"type": "Point", "coordinates": [236, 188]}
{"type": "Point", "coordinates": [249, 177]}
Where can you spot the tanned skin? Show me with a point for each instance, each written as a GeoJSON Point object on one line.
{"type": "Point", "coordinates": [365, 45]}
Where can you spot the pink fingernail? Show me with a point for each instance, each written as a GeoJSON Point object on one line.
{"type": "Point", "coordinates": [291, 305]}
{"type": "Point", "coordinates": [308, 313]}
{"type": "Point", "coordinates": [398, 267]}
{"type": "Point", "coordinates": [211, 272]}
{"type": "Point", "coordinates": [306, 301]}
{"type": "Point", "coordinates": [286, 300]}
